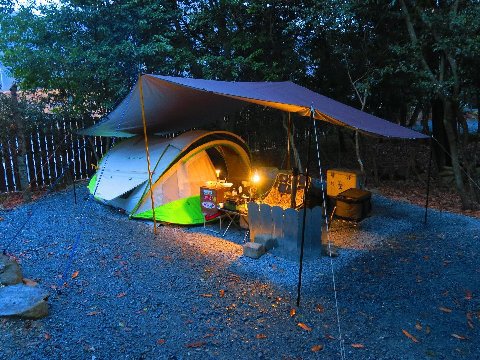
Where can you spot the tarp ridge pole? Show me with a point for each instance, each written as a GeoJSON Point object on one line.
{"type": "Point", "coordinates": [147, 152]}
{"type": "Point", "coordinates": [429, 172]}
{"type": "Point", "coordinates": [305, 192]}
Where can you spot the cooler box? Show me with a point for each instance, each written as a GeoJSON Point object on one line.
{"type": "Point", "coordinates": [353, 204]}
{"type": "Point", "coordinates": [339, 180]}
{"type": "Point", "coordinates": [209, 199]}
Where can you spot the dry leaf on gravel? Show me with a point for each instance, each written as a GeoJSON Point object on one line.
{"type": "Point", "coordinates": [75, 274]}
{"type": "Point", "coordinates": [418, 326]}
{"type": "Point", "coordinates": [304, 326]}
{"type": "Point", "coordinates": [196, 344]}
{"type": "Point", "coordinates": [206, 295]}
{"type": "Point", "coordinates": [445, 309]}
{"type": "Point", "coordinates": [93, 313]}
{"type": "Point", "coordinates": [29, 282]}
{"type": "Point", "coordinates": [160, 341]}
{"type": "Point", "coordinates": [221, 292]}
{"type": "Point", "coordinates": [261, 336]}
{"type": "Point", "coordinates": [47, 336]}
{"type": "Point", "coordinates": [318, 347]}
{"type": "Point", "coordinates": [468, 295]}
{"type": "Point", "coordinates": [459, 337]}
{"type": "Point", "coordinates": [122, 294]}
{"type": "Point", "coordinates": [319, 308]}
{"type": "Point", "coordinates": [358, 346]}
{"type": "Point", "coordinates": [410, 336]}
{"type": "Point", "coordinates": [292, 312]}
{"type": "Point", "coordinates": [427, 330]}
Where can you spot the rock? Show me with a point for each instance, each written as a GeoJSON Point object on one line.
{"type": "Point", "coordinates": [23, 301]}
{"type": "Point", "coordinates": [10, 272]}
{"type": "Point", "coordinates": [265, 240]}
{"type": "Point", "coordinates": [253, 250]}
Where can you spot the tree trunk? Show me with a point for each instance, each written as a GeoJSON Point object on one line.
{"type": "Point", "coordinates": [22, 148]}
{"type": "Point", "coordinates": [448, 112]}
{"type": "Point", "coordinates": [438, 131]}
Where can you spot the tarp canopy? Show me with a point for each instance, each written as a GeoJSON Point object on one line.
{"type": "Point", "coordinates": [173, 104]}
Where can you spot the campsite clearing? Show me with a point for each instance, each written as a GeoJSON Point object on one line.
{"type": "Point", "coordinates": [187, 294]}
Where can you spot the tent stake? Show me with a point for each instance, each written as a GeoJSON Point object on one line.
{"type": "Point", "coordinates": [428, 181]}
{"type": "Point", "coordinates": [147, 152]}
{"type": "Point", "coordinates": [305, 192]}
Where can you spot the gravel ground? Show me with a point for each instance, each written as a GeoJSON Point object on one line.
{"type": "Point", "coordinates": [185, 293]}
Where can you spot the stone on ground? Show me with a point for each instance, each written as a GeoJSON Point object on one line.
{"type": "Point", "coordinates": [10, 272]}
{"type": "Point", "coordinates": [265, 240]}
{"type": "Point", "coordinates": [253, 250]}
{"type": "Point", "coordinates": [23, 301]}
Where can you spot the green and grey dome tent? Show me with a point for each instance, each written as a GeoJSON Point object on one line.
{"type": "Point", "coordinates": [180, 165]}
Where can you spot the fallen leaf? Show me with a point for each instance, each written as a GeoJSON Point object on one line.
{"type": "Point", "coordinates": [427, 330]}
{"type": "Point", "coordinates": [196, 344]}
{"type": "Point", "coordinates": [122, 294]}
{"type": "Point", "coordinates": [93, 313]}
{"type": "Point", "coordinates": [292, 312]}
{"type": "Point", "coordinates": [29, 282]}
{"type": "Point", "coordinates": [160, 341]}
{"type": "Point", "coordinates": [75, 274]}
{"type": "Point", "coordinates": [316, 348]}
{"type": "Point", "coordinates": [319, 308]}
{"type": "Point", "coordinates": [206, 295]}
{"type": "Point", "coordinates": [207, 335]}
{"type": "Point", "coordinates": [47, 336]}
{"type": "Point", "coordinates": [304, 326]}
{"type": "Point", "coordinates": [410, 336]}
{"type": "Point", "coordinates": [221, 292]}
{"type": "Point", "coordinates": [418, 326]}
{"type": "Point", "coordinates": [459, 337]}
{"type": "Point", "coordinates": [468, 295]}
{"type": "Point", "coordinates": [261, 336]}
{"type": "Point", "coordinates": [358, 346]}
{"type": "Point", "coordinates": [445, 309]}
{"type": "Point", "coordinates": [330, 337]}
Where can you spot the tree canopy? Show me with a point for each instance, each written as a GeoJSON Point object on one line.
{"type": "Point", "coordinates": [392, 58]}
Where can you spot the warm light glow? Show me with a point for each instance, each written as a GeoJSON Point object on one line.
{"type": "Point", "coordinates": [218, 173]}
{"type": "Point", "coordinates": [256, 178]}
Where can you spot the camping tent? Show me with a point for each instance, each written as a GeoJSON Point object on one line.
{"type": "Point", "coordinates": [180, 165]}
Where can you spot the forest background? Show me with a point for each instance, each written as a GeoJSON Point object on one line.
{"type": "Point", "coordinates": [411, 62]}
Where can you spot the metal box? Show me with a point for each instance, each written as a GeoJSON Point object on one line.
{"type": "Point", "coordinates": [339, 180]}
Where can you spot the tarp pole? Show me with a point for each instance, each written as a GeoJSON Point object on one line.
{"type": "Point", "coordinates": [305, 195]}
{"type": "Point", "coordinates": [147, 152]}
{"type": "Point", "coordinates": [428, 181]}
{"type": "Point", "coordinates": [288, 140]}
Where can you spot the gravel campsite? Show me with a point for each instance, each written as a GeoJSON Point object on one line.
{"type": "Point", "coordinates": [404, 290]}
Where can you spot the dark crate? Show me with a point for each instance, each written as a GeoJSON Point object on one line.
{"type": "Point", "coordinates": [353, 204]}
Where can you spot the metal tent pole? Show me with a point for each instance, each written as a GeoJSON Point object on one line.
{"type": "Point", "coordinates": [147, 152]}
{"type": "Point", "coordinates": [428, 181]}
{"type": "Point", "coordinates": [305, 192]}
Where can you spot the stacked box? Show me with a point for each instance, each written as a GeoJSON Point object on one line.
{"type": "Point", "coordinates": [339, 180]}
{"type": "Point", "coordinates": [353, 204]}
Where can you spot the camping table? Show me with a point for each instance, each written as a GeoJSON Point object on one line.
{"type": "Point", "coordinates": [235, 217]}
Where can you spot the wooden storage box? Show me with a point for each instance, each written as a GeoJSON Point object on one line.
{"type": "Point", "coordinates": [339, 180]}
{"type": "Point", "coordinates": [353, 204]}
